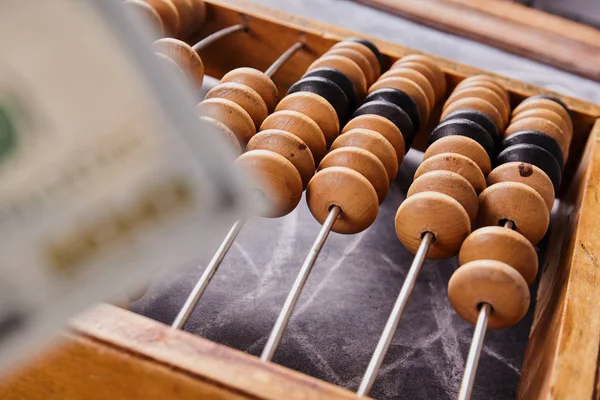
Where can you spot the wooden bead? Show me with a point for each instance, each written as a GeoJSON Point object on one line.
{"type": "Point", "coordinates": [539, 139]}
{"type": "Point", "coordinates": [275, 178]}
{"type": "Point", "coordinates": [489, 282]}
{"type": "Point", "coordinates": [534, 103]}
{"type": "Point", "coordinates": [532, 154]}
{"type": "Point", "coordinates": [426, 71]}
{"type": "Point", "coordinates": [328, 90]}
{"type": "Point", "coordinates": [288, 145]}
{"type": "Point", "coordinates": [200, 14]}
{"type": "Point", "coordinates": [257, 80]}
{"type": "Point", "coordinates": [483, 93]}
{"type": "Point", "coordinates": [244, 96]}
{"type": "Point", "coordinates": [455, 163]}
{"type": "Point", "coordinates": [400, 99]}
{"type": "Point", "coordinates": [565, 126]}
{"type": "Point", "coordinates": [440, 81]}
{"type": "Point", "coordinates": [542, 125]}
{"type": "Point", "coordinates": [517, 202]}
{"type": "Point", "coordinates": [185, 10]}
{"type": "Point", "coordinates": [463, 127]}
{"type": "Point", "coordinates": [226, 133]}
{"type": "Point", "coordinates": [339, 79]}
{"type": "Point", "coordinates": [432, 212]}
{"type": "Point", "coordinates": [359, 59]}
{"type": "Point", "coordinates": [183, 54]}
{"type": "Point", "coordinates": [362, 161]}
{"type": "Point", "coordinates": [464, 146]}
{"type": "Point", "coordinates": [370, 46]}
{"type": "Point", "coordinates": [501, 244]}
{"type": "Point", "coordinates": [478, 104]}
{"type": "Point", "coordinates": [373, 142]}
{"type": "Point", "coordinates": [316, 108]}
{"type": "Point", "coordinates": [172, 65]}
{"type": "Point", "coordinates": [365, 51]}
{"type": "Point", "coordinates": [347, 189]}
{"type": "Point", "coordinates": [415, 76]}
{"type": "Point", "coordinates": [525, 173]}
{"type": "Point", "coordinates": [230, 114]}
{"type": "Point", "coordinates": [348, 68]}
{"type": "Point", "coordinates": [488, 82]}
{"type": "Point", "coordinates": [300, 125]}
{"type": "Point", "coordinates": [410, 88]}
{"type": "Point", "coordinates": [382, 126]}
{"type": "Point", "coordinates": [168, 15]}
{"type": "Point", "coordinates": [148, 13]}
{"type": "Point", "coordinates": [479, 118]}
{"type": "Point", "coordinates": [449, 183]}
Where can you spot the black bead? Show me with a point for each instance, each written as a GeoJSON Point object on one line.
{"type": "Point", "coordinates": [554, 99]}
{"type": "Point", "coordinates": [465, 127]}
{"type": "Point", "coordinates": [535, 155]}
{"type": "Point", "coordinates": [539, 139]}
{"type": "Point", "coordinates": [328, 90]}
{"type": "Point", "coordinates": [479, 118]}
{"type": "Point", "coordinates": [371, 47]}
{"type": "Point", "coordinates": [401, 99]}
{"type": "Point", "coordinates": [339, 79]}
{"type": "Point", "coordinates": [395, 114]}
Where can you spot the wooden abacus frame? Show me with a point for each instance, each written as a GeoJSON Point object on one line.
{"type": "Point", "coordinates": [113, 353]}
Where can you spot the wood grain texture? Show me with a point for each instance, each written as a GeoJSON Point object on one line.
{"type": "Point", "coordinates": [111, 353]}
{"type": "Point", "coordinates": [510, 26]}
{"type": "Point", "coordinates": [561, 360]}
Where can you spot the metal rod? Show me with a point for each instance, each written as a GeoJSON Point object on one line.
{"type": "Point", "coordinates": [209, 272]}
{"type": "Point", "coordinates": [283, 58]}
{"type": "Point", "coordinates": [466, 385]}
{"type": "Point", "coordinates": [509, 224]}
{"type": "Point", "coordinates": [392, 323]}
{"type": "Point", "coordinates": [292, 298]}
{"type": "Point", "coordinates": [218, 35]}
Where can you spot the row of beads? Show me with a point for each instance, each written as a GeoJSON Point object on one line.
{"type": "Point", "coordinates": [173, 18]}
{"type": "Point", "coordinates": [364, 159]}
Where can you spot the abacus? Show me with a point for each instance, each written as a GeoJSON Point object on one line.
{"type": "Point", "coordinates": [333, 114]}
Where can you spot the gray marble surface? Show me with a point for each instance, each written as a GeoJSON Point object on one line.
{"type": "Point", "coordinates": [357, 278]}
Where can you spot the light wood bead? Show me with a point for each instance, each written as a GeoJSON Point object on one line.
{"type": "Point", "coordinates": [225, 132]}
{"type": "Point", "coordinates": [483, 93]}
{"type": "Point", "coordinates": [148, 13]}
{"type": "Point", "coordinates": [517, 202]}
{"type": "Point", "coordinates": [492, 282]}
{"type": "Point", "coordinates": [542, 125]}
{"type": "Point", "coordinates": [546, 104]}
{"type": "Point", "coordinates": [168, 15]}
{"type": "Point", "coordinates": [525, 173]}
{"type": "Point", "coordinates": [488, 82]}
{"type": "Point", "coordinates": [410, 88]}
{"type": "Point", "coordinates": [347, 189]}
{"type": "Point", "coordinates": [243, 95]}
{"type": "Point", "coordinates": [316, 108]}
{"type": "Point", "coordinates": [185, 10]}
{"type": "Point", "coordinates": [365, 51]}
{"type": "Point", "coordinates": [362, 161]}
{"type": "Point", "coordinates": [230, 114]}
{"type": "Point", "coordinates": [183, 54]}
{"type": "Point", "coordinates": [383, 126]}
{"type": "Point", "coordinates": [301, 126]}
{"type": "Point", "coordinates": [417, 77]}
{"type": "Point", "coordinates": [257, 80]}
{"type": "Point", "coordinates": [478, 104]}
{"type": "Point", "coordinates": [501, 244]}
{"type": "Point", "coordinates": [373, 142]}
{"type": "Point", "coordinates": [457, 163]}
{"type": "Point", "coordinates": [432, 212]}
{"type": "Point", "coordinates": [347, 67]}
{"type": "Point", "coordinates": [449, 183]}
{"type": "Point", "coordinates": [359, 59]}
{"type": "Point", "coordinates": [200, 14]}
{"type": "Point", "coordinates": [440, 81]}
{"type": "Point", "coordinates": [425, 71]}
{"type": "Point", "coordinates": [464, 146]}
{"type": "Point", "coordinates": [564, 125]}
{"type": "Point", "coordinates": [275, 178]}
{"type": "Point", "coordinates": [288, 145]}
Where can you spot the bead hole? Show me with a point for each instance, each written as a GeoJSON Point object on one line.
{"type": "Point", "coordinates": [425, 233]}
{"type": "Point", "coordinates": [481, 305]}
{"type": "Point", "coordinates": [504, 221]}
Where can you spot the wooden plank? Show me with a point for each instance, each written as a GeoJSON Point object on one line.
{"type": "Point", "coordinates": [111, 353]}
{"type": "Point", "coordinates": [510, 26]}
{"type": "Point", "coordinates": [561, 360]}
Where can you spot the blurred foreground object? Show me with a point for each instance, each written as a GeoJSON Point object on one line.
{"type": "Point", "coordinates": [106, 173]}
